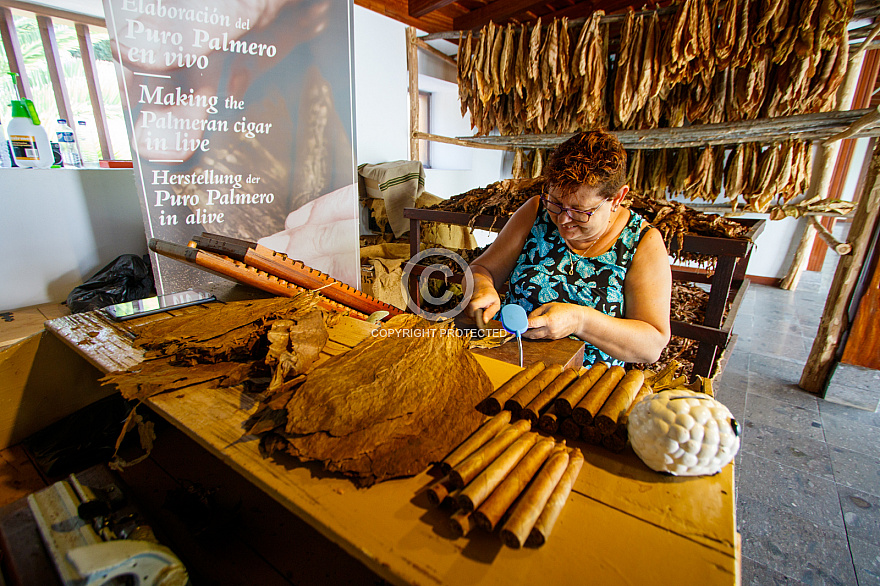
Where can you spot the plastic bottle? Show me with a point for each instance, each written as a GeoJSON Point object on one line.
{"type": "Point", "coordinates": [5, 157]}
{"type": "Point", "coordinates": [67, 142]}
{"type": "Point", "coordinates": [30, 143]}
{"type": "Point", "coordinates": [88, 142]}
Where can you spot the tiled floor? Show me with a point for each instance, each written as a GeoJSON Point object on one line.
{"type": "Point", "coordinates": [808, 473]}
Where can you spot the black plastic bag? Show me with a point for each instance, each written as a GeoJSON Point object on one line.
{"type": "Point", "coordinates": [127, 278]}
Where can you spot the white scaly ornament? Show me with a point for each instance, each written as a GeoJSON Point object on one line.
{"type": "Point", "coordinates": [683, 433]}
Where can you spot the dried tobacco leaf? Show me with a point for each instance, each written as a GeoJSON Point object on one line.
{"type": "Point", "coordinates": [161, 375]}
{"type": "Point", "coordinates": [390, 406]}
{"type": "Point", "coordinates": [294, 345]}
{"type": "Point", "coordinates": [192, 338]}
{"type": "Point", "coordinates": [190, 350]}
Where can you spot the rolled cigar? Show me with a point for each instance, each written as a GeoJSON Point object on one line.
{"type": "Point", "coordinates": [489, 513]}
{"type": "Point", "coordinates": [544, 525]}
{"type": "Point", "coordinates": [473, 495]}
{"type": "Point", "coordinates": [619, 401]}
{"type": "Point", "coordinates": [460, 523]}
{"type": "Point", "coordinates": [479, 460]}
{"type": "Point", "coordinates": [492, 404]}
{"type": "Point", "coordinates": [533, 409]}
{"type": "Point", "coordinates": [614, 442]}
{"type": "Point", "coordinates": [518, 526]}
{"type": "Point", "coordinates": [569, 428]}
{"type": "Point", "coordinates": [438, 491]}
{"type": "Point", "coordinates": [547, 422]}
{"type": "Point", "coordinates": [591, 435]}
{"type": "Point", "coordinates": [532, 389]}
{"type": "Point", "coordinates": [621, 423]}
{"type": "Point", "coordinates": [573, 394]}
{"type": "Point", "coordinates": [487, 431]}
{"type": "Point", "coordinates": [589, 406]}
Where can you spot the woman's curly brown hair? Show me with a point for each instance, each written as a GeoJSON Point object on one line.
{"type": "Point", "coordinates": [595, 158]}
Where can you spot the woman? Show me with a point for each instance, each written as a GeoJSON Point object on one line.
{"type": "Point", "coordinates": [581, 264]}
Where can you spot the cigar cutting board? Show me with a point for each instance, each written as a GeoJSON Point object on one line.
{"type": "Point", "coordinates": [568, 352]}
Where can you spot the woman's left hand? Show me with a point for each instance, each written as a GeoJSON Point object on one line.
{"type": "Point", "coordinates": [554, 321]}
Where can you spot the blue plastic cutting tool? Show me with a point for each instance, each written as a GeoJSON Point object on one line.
{"type": "Point", "coordinates": [515, 320]}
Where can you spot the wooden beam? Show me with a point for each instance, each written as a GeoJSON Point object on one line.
{"type": "Point", "coordinates": [53, 12]}
{"type": "Point", "coordinates": [828, 238]}
{"type": "Point", "coordinates": [834, 319]}
{"type": "Point", "coordinates": [498, 12]}
{"type": "Point", "coordinates": [861, 99]}
{"type": "Point", "coordinates": [433, 22]}
{"type": "Point", "coordinates": [448, 140]}
{"type": "Point", "coordinates": [763, 130]}
{"type": "Point", "coordinates": [412, 66]}
{"type": "Point", "coordinates": [579, 10]}
{"type": "Point", "coordinates": [607, 19]}
{"type": "Point", "coordinates": [87, 51]}
{"type": "Point", "coordinates": [817, 253]}
{"type": "Point", "coordinates": [13, 52]}
{"type": "Point", "coordinates": [801, 256]}
{"type": "Point", "coordinates": [436, 52]}
{"type": "Point", "coordinates": [56, 71]}
{"type": "Point", "coordinates": [419, 8]}
{"type": "Point", "coordinates": [824, 164]}
{"type": "Point", "coordinates": [868, 120]}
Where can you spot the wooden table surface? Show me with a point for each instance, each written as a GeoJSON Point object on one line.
{"type": "Point", "coordinates": [623, 523]}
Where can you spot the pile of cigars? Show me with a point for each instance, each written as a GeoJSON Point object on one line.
{"type": "Point", "coordinates": [593, 406]}
{"type": "Point", "coordinates": [512, 473]}
{"type": "Point", "coordinates": [505, 475]}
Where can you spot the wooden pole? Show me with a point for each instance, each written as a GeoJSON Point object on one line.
{"type": "Point", "coordinates": [801, 256]}
{"type": "Point", "coordinates": [815, 127]}
{"type": "Point", "coordinates": [458, 141]}
{"type": "Point", "coordinates": [834, 319]}
{"type": "Point", "coordinates": [436, 52]}
{"type": "Point", "coordinates": [412, 65]}
{"type": "Point", "coordinates": [13, 52]}
{"type": "Point", "coordinates": [833, 243]}
{"type": "Point", "coordinates": [87, 52]}
{"type": "Point", "coordinates": [823, 169]}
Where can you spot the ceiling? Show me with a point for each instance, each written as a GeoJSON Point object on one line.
{"type": "Point", "coordinates": [433, 16]}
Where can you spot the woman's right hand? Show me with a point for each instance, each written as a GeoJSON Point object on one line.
{"type": "Point", "coordinates": [485, 298]}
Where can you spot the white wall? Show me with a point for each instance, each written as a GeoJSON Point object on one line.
{"type": "Point", "coordinates": [382, 100]}
{"type": "Point", "coordinates": [380, 80]}
{"type": "Point", "coordinates": [60, 226]}
{"type": "Point", "coordinates": [774, 249]}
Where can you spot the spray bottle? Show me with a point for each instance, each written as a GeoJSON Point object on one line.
{"type": "Point", "coordinates": [29, 140]}
{"type": "Point", "coordinates": [5, 157]}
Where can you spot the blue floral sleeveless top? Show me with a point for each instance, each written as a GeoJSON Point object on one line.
{"type": "Point", "coordinates": [542, 275]}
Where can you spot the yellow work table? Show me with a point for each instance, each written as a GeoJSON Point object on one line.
{"type": "Point", "coordinates": [623, 523]}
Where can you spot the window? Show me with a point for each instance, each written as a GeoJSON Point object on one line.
{"type": "Point", "coordinates": [425, 126]}
{"type": "Point", "coordinates": [64, 82]}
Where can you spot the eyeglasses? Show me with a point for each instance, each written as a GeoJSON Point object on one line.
{"type": "Point", "coordinates": [580, 216]}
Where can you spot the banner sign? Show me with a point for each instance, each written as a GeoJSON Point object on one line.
{"type": "Point", "coordinates": [241, 119]}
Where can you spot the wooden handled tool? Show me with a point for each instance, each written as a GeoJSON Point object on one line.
{"type": "Point", "coordinates": [238, 271]}
{"type": "Point", "coordinates": [293, 271]}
